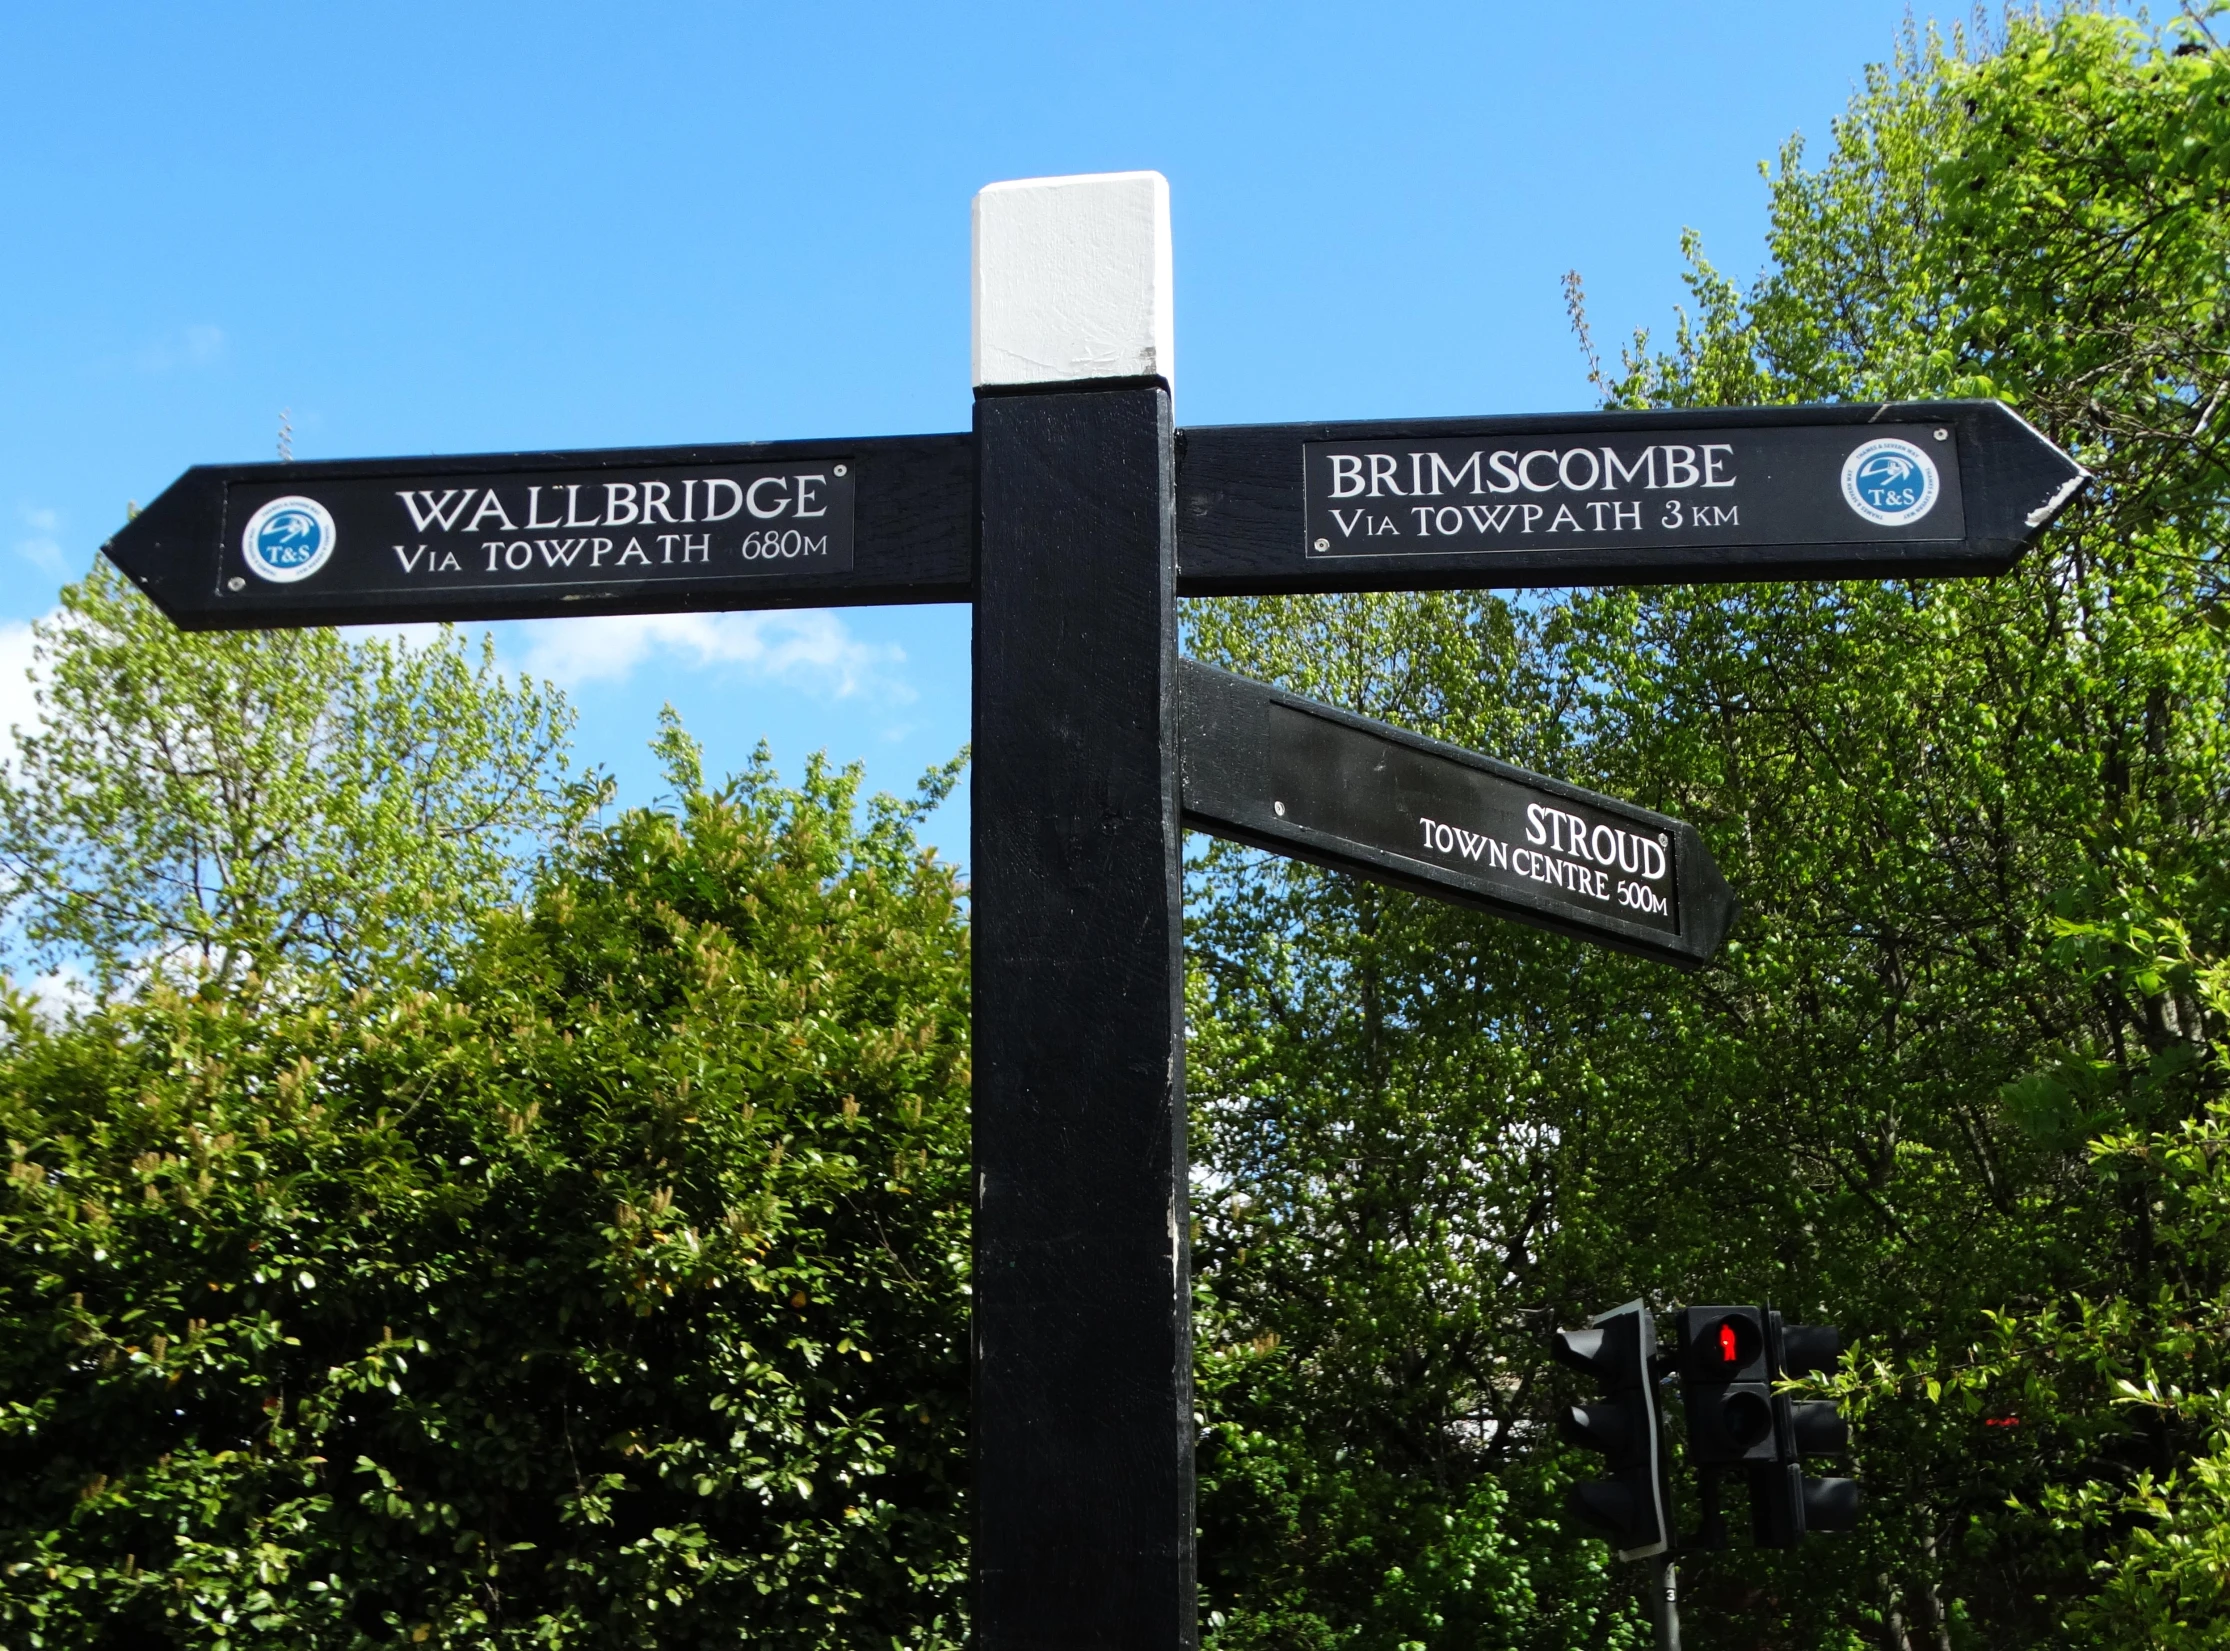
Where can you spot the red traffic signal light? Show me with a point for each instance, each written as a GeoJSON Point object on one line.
{"type": "Point", "coordinates": [1725, 1384]}
{"type": "Point", "coordinates": [1727, 1350]}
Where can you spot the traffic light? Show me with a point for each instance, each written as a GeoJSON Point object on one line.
{"type": "Point", "coordinates": [1726, 1384]}
{"type": "Point", "coordinates": [1619, 1349]}
{"type": "Point", "coordinates": [1785, 1505]}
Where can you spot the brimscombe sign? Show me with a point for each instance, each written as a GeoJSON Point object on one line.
{"type": "Point", "coordinates": [1896, 490]}
{"type": "Point", "coordinates": [1789, 486]}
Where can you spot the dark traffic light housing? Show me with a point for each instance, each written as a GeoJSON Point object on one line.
{"type": "Point", "coordinates": [1619, 1349]}
{"type": "Point", "coordinates": [1726, 1384]}
{"type": "Point", "coordinates": [1785, 1504]}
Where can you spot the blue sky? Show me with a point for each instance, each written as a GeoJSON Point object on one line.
{"type": "Point", "coordinates": [468, 228]}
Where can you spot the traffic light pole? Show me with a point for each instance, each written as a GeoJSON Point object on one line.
{"type": "Point", "coordinates": [1664, 1604]}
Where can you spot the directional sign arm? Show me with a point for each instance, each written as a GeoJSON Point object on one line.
{"type": "Point", "coordinates": [1914, 489]}
{"type": "Point", "coordinates": [1862, 491]}
{"type": "Point", "coordinates": [1268, 768]}
{"type": "Point", "coordinates": [524, 535]}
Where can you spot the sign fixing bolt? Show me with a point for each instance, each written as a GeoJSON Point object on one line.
{"type": "Point", "coordinates": [1943, 435]}
{"type": "Point", "coordinates": [1280, 807]}
{"type": "Point", "coordinates": [840, 470]}
{"type": "Point", "coordinates": [236, 583]}
{"type": "Point", "coordinates": [1323, 544]}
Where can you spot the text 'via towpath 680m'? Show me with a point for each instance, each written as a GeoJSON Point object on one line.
{"type": "Point", "coordinates": [537, 529]}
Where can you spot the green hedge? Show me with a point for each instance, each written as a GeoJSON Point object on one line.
{"type": "Point", "coordinates": [613, 1295]}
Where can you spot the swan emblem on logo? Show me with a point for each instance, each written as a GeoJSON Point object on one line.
{"type": "Point", "coordinates": [1890, 482]}
{"type": "Point", "coordinates": [288, 539]}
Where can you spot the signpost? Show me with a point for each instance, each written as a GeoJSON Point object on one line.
{"type": "Point", "coordinates": [1073, 516]}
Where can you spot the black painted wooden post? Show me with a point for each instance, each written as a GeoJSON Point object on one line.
{"type": "Point", "coordinates": [1083, 1406]}
{"type": "Point", "coordinates": [1083, 1333]}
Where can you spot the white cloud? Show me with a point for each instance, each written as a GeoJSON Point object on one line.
{"type": "Point", "coordinates": [42, 550]}
{"type": "Point", "coordinates": [812, 650]}
{"type": "Point", "coordinates": [57, 996]}
{"type": "Point", "coordinates": [195, 346]}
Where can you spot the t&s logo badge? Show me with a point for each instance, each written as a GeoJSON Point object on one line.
{"type": "Point", "coordinates": [288, 539]}
{"type": "Point", "coordinates": [1890, 482]}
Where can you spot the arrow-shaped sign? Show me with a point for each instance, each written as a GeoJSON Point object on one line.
{"type": "Point", "coordinates": [1920, 488]}
{"type": "Point", "coordinates": [519, 535]}
{"type": "Point", "coordinates": [1284, 773]}
{"type": "Point", "coordinates": [1837, 492]}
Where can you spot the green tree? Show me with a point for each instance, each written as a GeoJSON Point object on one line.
{"type": "Point", "coordinates": [610, 1294]}
{"type": "Point", "coordinates": [1403, 1113]}
{"type": "Point", "coordinates": [1953, 1085]}
{"type": "Point", "coordinates": [214, 810]}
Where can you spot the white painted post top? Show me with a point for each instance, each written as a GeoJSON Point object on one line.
{"type": "Point", "coordinates": [1072, 280]}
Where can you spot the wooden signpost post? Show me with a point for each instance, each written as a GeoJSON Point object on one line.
{"type": "Point", "coordinates": [1073, 516]}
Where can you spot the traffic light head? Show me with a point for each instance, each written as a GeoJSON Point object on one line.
{"type": "Point", "coordinates": [1726, 1386]}
{"type": "Point", "coordinates": [1786, 1505]}
{"type": "Point", "coordinates": [1818, 1427]}
{"type": "Point", "coordinates": [1618, 1350]}
{"type": "Point", "coordinates": [1722, 1344]}
{"type": "Point", "coordinates": [1810, 1349]}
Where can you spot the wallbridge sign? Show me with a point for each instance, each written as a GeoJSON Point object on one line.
{"type": "Point", "coordinates": [1073, 515]}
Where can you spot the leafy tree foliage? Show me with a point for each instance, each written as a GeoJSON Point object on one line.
{"type": "Point", "coordinates": [609, 1294]}
{"type": "Point", "coordinates": [1404, 1116]}
{"type": "Point", "coordinates": [221, 810]}
{"type": "Point", "coordinates": [1956, 1083]}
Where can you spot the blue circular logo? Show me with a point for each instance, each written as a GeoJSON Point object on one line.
{"type": "Point", "coordinates": [288, 539]}
{"type": "Point", "coordinates": [1890, 482]}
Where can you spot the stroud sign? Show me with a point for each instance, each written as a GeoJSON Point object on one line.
{"type": "Point", "coordinates": [1284, 773]}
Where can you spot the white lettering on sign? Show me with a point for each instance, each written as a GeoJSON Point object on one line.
{"type": "Point", "coordinates": [673, 517]}
{"type": "Point", "coordinates": [542, 532]}
{"type": "Point", "coordinates": [1600, 495]}
{"type": "Point", "coordinates": [1567, 852]}
{"type": "Point", "coordinates": [1670, 467]}
{"type": "Point", "coordinates": [1582, 490]}
{"type": "Point", "coordinates": [801, 497]}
